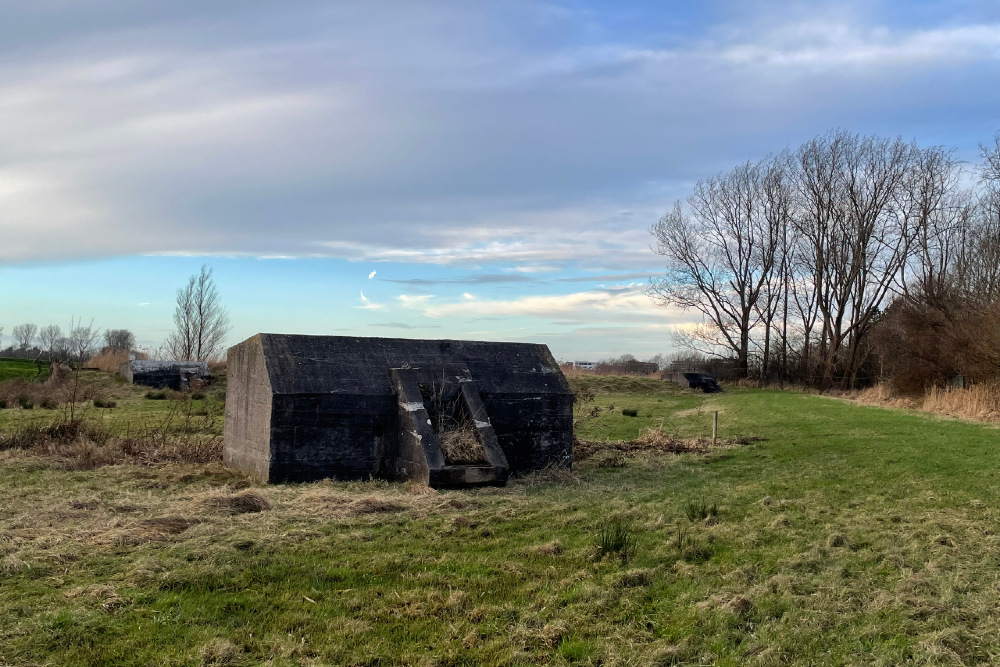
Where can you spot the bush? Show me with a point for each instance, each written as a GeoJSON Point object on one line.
{"type": "Point", "coordinates": [47, 404]}
{"type": "Point", "coordinates": [630, 412]}
{"type": "Point", "coordinates": [3, 403]}
{"type": "Point", "coordinates": [25, 402]}
{"type": "Point", "coordinates": [104, 403]}
{"type": "Point", "coordinates": [616, 537]}
{"type": "Point", "coordinates": [156, 395]}
{"type": "Point", "coordinates": [197, 396]}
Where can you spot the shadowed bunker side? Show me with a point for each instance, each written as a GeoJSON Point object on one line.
{"type": "Point", "coordinates": [301, 408]}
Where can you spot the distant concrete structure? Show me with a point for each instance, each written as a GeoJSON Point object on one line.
{"type": "Point", "coordinates": [176, 375]}
{"type": "Point", "coordinates": [585, 365]}
{"type": "Point", "coordinates": [703, 381]}
{"type": "Point", "coordinates": [310, 407]}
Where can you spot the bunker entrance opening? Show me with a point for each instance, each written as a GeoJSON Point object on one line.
{"type": "Point", "coordinates": [443, 425]}
{"type": "Point", "coordinates": [452, 422]}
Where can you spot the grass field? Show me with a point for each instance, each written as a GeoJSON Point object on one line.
{"type": "Point", "coordinates": [819, 533]}
{"type": "Point", "coordinates": [20, 368]}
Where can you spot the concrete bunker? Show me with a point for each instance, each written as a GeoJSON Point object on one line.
{"type": "Point", "coordinates": [176, 375]}
{"type": "Point", "coordinates": [441, 412]}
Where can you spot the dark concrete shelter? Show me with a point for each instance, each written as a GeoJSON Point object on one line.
{"type": "Point", "coordinates": [302, 408]}
{"type": "Point", "coordinates": [175, 375]}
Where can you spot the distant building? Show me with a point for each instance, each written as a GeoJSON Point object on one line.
{"type": "Point", "coordinates": [585, 365]}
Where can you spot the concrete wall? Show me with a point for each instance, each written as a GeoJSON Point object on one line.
{"type": "Point", "coordinates": [247, 440]}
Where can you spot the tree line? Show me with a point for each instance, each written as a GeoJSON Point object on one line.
{"type": "Point", "coordinates": [803, 262]}
{"type": "Point", "coordinates": [201, 324]}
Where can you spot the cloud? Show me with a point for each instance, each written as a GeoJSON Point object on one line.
{"type": "Point", "coordinates": [403, 325]}
{"type": "Point", "coordinates": [620, 305]}
{"type": "Point", "coordinates": [371, 275]}
{"type": "Point", "coordinates": [490, 135]}
{"type": "Point", "coordinates": [366, 304]}
{"type": "Point", "coordinates": [474, 279]}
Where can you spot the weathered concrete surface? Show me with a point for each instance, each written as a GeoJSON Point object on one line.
{"type": "Point", "coordinates": [310, 407]}
{"type": "Point", "coordinates": [175, 375]}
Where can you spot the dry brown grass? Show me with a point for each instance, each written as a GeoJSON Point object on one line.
{"type": "Point", "coordinates": [109, 360]}
{"type": "Point", "coordinates": [653, 439]}
{"type": "Point", "coordinates": [979, 402]}
{"type": "Point", "coordinates": [460, 445]}
{"type": "Point", "coordinates": [81, 445]}
{"type": "Point", "coordinates": [246, 502]}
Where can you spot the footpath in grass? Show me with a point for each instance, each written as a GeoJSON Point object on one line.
{"type": "Point", "coordinates": [840, 535]}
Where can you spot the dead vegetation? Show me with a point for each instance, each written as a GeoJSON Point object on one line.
{"type": "Point", "coordinates": [246, 502]}
{"type": "Point", "coordinates": [83, 445]}
{"type": "Point", "coordinates": [460, 445]}
{"type": "Point", "coordinates": [654, 440]}
{"type": "Point", "coordinates": [979, 402]}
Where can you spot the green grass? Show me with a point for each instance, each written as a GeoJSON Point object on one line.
{"type": "Point", "coordinates": [21, 368]}
{"type": "Point", "coordinates": [847, 535]}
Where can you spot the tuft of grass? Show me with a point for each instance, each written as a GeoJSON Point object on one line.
{"type": "Point", "coordinates": [105, 403]}
{"type": "Point", "coordinates": [630, 412]}
{"type": "Point", "coordinates": [198, 396]}
{"type": "Point", "coordinates": [699, 510]}
{"type": "Point", "coordinates": [156, 395]}
{"type": "Point", "coordinates": [616, 537]}
{"type": "Point", "coordinates": [247, 502]}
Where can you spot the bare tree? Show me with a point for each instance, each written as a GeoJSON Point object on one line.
{"type": "Point", "coordinates": [119, 339]}
{"type": "Point", "coordinates": [80, 344]}
{"type": "Point", "coordinates": [82, 339]}
{"type": "Point", "coordinates": [48, 338]}
{"type": "Point", "coordinates": [857, 240]}
{"type": "Point", "coordinates": [720, 256]}
{"type": "Point", "coordinates": [201, 322]}
{"type": "Point", "coordinates": [24, 335]}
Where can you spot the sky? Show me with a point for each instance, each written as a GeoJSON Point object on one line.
{"type": "Point", "coordinates": [446, 169]}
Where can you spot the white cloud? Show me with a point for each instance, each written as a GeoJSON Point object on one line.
{"type": "Point", "coordinates": [414, 300]}
{"type": "Point", "coordinates": [610, 305]}
{"type": "Point", "coordinates": [367, 304]}
{"type": "Point", "coordinates": [371, 275]}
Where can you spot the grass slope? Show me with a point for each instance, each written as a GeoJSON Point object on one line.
{"type": "Point", "coordinates": [20, 368]}
{"type": "Point", "coordinates": [849, 535]}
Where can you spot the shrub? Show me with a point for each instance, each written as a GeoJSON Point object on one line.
{"type": "Point", "coordinates": [616, 537]}
{"type": "Point", "coordinates": [197, 396]}
{"type": "Point", "coordinates": [156, 395]}
{"type": "Point", "coordinates": [105, 403]}
{"type": "Point", "coordinates": [3, 403]}
{"type": "Point", "coordinates": [47, 404]}
{"type": "Point", "coordinates": [25, 402]}
{"type": "Point", "coordinates": [630, 412]}
{"type": "Point", "coordinates": [699, 510]}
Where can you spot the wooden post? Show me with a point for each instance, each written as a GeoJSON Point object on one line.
{"type": "Point", "coordinates": [715, 427]}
